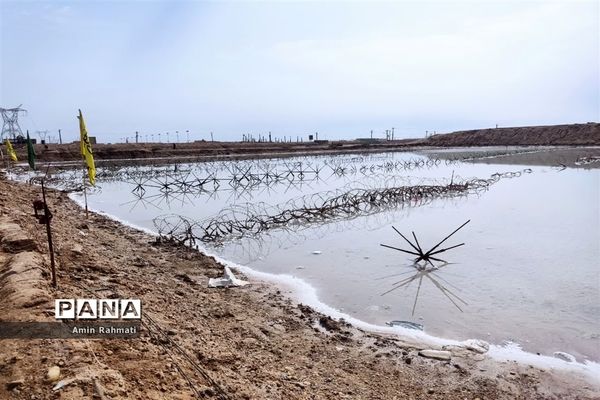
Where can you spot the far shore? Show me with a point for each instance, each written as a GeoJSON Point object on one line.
{"type": "Point", "coordinates": [577, 135]}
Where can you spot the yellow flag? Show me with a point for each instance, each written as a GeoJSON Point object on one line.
{"type": "Point", "coordinates": [86, 150]}
{"type": "Point", "coordinates": [11, 151]}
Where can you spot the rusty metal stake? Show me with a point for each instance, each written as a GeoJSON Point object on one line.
{"type": "Point", "coordinates": [46, 219]}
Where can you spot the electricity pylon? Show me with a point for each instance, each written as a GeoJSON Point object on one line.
{"type": "Point", "coordinates": [10, 127]}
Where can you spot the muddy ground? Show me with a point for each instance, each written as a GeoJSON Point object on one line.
{"type": "Point", "coordinates": [239, 343]}
{"type": "Point", "coordinates": [558, 157]}
{"type": "Point", "coordinates": [203, 150]}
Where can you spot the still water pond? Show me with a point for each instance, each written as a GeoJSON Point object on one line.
{"type": "Point", "coordinates": [529, 271]}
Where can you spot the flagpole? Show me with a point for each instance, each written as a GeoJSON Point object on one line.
{"type": "Point", "coordinates": [48, 216]}
{"type": "Point", "coordinates": [7, 162]}
{"type": "Point", "coordinates": [88, 159]}
{"type": "Point", "coordinates": [85, 191]}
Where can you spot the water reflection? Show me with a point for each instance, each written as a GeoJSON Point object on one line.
{"type": "Point", "coordinates": [424, 271]}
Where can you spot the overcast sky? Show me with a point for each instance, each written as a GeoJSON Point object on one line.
{"type": "Point", "coordinates": [293, 68]}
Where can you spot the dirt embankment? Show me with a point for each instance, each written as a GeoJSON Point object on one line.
{"type": "Point", "coordinates": [556, 135]}
{"type": "Point", "coordinates": [241, 343]}
{"type": "Point", "coordinates": [202, 150]}
{"type": "Point", "coordinates": [552, 135]}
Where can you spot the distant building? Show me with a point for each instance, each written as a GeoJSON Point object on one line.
{"type": "Point", "coordinates": [21, 139]}
{"type": "Point", "coordinates": [370, 140]}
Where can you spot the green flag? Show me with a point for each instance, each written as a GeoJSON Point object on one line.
{"type": "Point", "coordinates": [30, 152]}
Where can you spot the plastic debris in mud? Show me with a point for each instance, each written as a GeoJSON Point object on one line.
{"type": "Point", "coordinates": [227, 280]}
{"type": "Point", "coordinates": [406, 324]}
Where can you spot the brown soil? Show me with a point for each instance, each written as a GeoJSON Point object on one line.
{"type": "Point", "coordinates": [552, 135]}
{"type": "Point", "coordinates": [249, 341]}
{"type": "Point", "coordinates": [201, 150]}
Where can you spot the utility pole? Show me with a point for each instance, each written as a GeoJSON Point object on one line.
{"type": "Point", "coordinates": [393, 133]}
{"type": "Point", "coordinates": [136, 136]}
{"type": "Point", "coordinates": [211, 137]}
{"type": "Point", "coordinates": [187, 132]}
{"type": "Point", "coordinates": [371, 133]}
{"type": "Point", "coordinates": [59, 137]}
{"type": "Point", "coordinates": [42, 135]}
